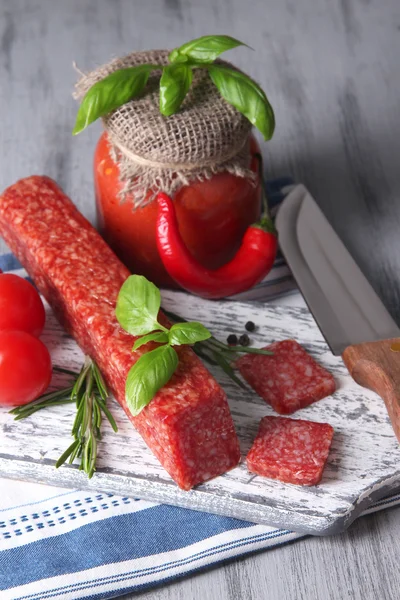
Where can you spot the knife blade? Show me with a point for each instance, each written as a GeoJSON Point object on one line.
{"type": "Point", "coordinates": [349, 313]}
{"type": "Point", "coordinates": [344, 304]}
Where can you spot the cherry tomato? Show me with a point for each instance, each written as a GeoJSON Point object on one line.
{"type": "Point", "coordinates": [25, 368]}
{"type": "Point", "coordinates": [21, 308]}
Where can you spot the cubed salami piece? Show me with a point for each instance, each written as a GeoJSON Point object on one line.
{"type": "Point", "coordinates": [291, 450]}
{"type": "Point", "coordinates": [288, 380]}
{"type": "Point", "coordinates": [188, 424]}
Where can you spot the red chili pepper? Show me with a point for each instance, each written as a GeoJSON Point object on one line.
{"type": "Point", "coordinates": [250, 265]}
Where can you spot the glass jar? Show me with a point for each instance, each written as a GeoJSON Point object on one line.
{"type": "Point", "coordinates": [212, 216]}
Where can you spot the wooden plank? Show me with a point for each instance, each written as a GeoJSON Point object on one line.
{"type": "Point", "coordinates": [363, 463]}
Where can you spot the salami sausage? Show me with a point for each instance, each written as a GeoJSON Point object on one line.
{"type": "Point", "coordinates": [291, 450]}
{"type": "Point", "coordinates": [288, 380]}
{"type": "Point", "coordinates": [188, 424]}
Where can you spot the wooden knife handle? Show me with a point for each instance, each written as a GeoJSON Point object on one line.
{"type": "Point", "coordinates": [376, 366]}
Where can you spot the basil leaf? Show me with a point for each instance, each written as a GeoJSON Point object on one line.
{"type": "Point", "coordinates": [149, 374]}
{"type": "Point", "coordinates": [138, 304]}
{"type": "Point", "coordinates": [187, 333]}
{"type": "Point", "coordinates": [246, 96]}
{"type": "Point", "coordinates": [204, 49]}
{"type": "Point", "coordinates": [161, 337]}
{"type": "Point", "coordinates": [174, 85]}
{"type": "Point", "coordinates": [110, 93]}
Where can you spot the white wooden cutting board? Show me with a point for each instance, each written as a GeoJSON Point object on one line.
{"type": "Point", "coordinates": [363, 465]}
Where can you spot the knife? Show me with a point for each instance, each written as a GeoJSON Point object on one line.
{"type": "Point", "coordinates": [349, 313]}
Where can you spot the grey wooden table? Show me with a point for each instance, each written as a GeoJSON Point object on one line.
{"type": "Point", "coordinates": [332, 71]}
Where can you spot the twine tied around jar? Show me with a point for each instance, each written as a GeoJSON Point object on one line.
{"type": "Point", "coordinates": [153, 152]}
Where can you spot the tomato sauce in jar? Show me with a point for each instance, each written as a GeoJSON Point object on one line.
{"type": "Point", "coordinates": [212, 216]}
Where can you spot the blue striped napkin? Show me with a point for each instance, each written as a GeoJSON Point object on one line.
{"type": "Point", "coordinates": [62, 544]}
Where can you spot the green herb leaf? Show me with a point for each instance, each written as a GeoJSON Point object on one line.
{"type": "Point", "coordinates": [187, 333]}
{"type": "Point", "coordinates": [49, 399]}
{"type": "Point", "coordinates": [174, 85]}
{"type": "Point", "coordinates": [67, 453]}
{"type": "Point", "coordinates": [246, 96]}
{"type": "Point", "coordinates": [161, 337]}
{"type": "Point", "coordinates": [138, 304]}
{"type": "Point", "coordinates": [149, 374]}
{"type": "Point", "coordinates": [110, 93]}
{"type": "Point", "coordinates": [204, 49]}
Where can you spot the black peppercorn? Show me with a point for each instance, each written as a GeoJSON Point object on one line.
{"type": "Point", "coordinates": [250, 326]}
{"type": "Point", "coordinates": [244, 340]}
{"type": "Point", "coordinates": [232, 339]}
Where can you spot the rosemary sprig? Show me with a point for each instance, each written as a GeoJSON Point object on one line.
{"type": "Point", "coordinates": [90, 394]}
{"type": "Point", "coordinates": [217, 353]}
{"type": "Point", "coordinates": [50, 399]}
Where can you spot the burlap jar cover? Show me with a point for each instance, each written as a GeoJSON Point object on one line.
{"type": "Point", "coordinates": [207, 135]}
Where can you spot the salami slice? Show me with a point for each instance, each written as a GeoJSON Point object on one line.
{"type": "Point", "coordinates": [188, 424]}
{"type": "Point", "coordinates": [291, 450]}
{"type": "Point", "coordinates": [288, 380]}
